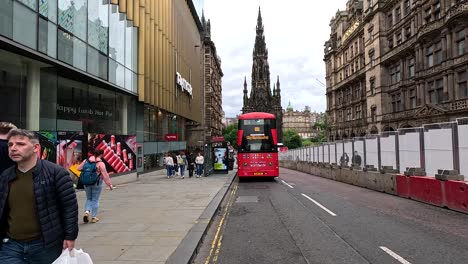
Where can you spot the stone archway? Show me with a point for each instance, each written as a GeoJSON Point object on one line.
{"type": "Point", "coordinates": [374, 130]}
{"type": "Point", "coordinates": [406, 126]}
{"type": "Point", "coordinates": [388, 129]}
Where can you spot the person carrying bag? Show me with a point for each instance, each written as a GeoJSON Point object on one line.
{"type": "Point", "coordinates": [93, 172]}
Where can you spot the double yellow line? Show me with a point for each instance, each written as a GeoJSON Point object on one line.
{"type": "Point", "coordinates": [218, 238]}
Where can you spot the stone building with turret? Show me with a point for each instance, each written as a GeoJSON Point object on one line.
{"type": "Point", "coordinates": [261, 98]}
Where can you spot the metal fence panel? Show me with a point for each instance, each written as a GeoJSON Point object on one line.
{"type": "Point", "coordinates": [332, 153]}
{"type": "Point", "coordinates": [388, 150]}
{"type": "Point", "coordinates": [348, 153]}
{"type": "Point", "coordinates": [320, 153]}
{"type": "Point", "coordinates": [358, 155]}
{"type": "Point", "coordinates": [326, 153]}
{"type": "Point", "coordinates": [463, 146]}
{"type": "Point", "coordinates": [372, 152]}
{"type": "Point", "coordinates": [410, 148]}
{"type": "Point", "coordinates": [339, 152]}
{"type": "Point", "coordinates": [438, 147]}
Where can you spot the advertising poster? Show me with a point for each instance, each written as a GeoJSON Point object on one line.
{"type": "Point", "coordinates": [119, 151]}
{"type": "Point", "coordinates": [48, 142]}
{"type": "Point", "coordinates": [62, 148]}
{"type": "Point", "coordinates": [220, 158]}
{"type": "Point", "coordinates": [70, 151]}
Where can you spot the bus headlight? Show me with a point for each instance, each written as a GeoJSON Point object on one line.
{"type": "Point", "coordinates": [245, 164]}
{"type": "Point", "coordinates": [271, 163]}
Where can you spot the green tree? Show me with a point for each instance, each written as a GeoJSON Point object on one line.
{"type": "Point", "coordinates": [291, 139]}
{"type": "Point", "coordinates": [306, 142]}
{"type": "Point", "coordinates": [321, 128]}
{"type": "Point", "coordinates": [230, 134]}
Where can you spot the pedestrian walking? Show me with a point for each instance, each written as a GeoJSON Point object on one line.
{"type": "Point", "coordinates": [199, 161]}
{"type": "Point", "coordinates": [175, 167]}
{"type": "Point", "coordinates": [182, 162]}
{"type": "Point", "coordinates": [169, 162]}
{"type": "Point", "coordinates": [5, 161]}
{"type": "Point", "coordinates": [38, 207]}
{"type": "Point", "coordinates": [191, 164]}
{"type": "Point", "coordinates": [93, 173]}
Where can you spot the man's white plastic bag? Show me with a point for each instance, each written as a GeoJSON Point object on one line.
{"type": "Point", "coordinates": [76, 256]}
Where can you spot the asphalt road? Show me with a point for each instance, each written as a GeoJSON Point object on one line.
{"type": "Point", "coordinates": [301, 218]}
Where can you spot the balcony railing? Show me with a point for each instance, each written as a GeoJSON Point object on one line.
{"type": "Point", "coordinates": [461, 104]}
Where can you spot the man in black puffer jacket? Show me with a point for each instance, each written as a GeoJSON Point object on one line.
{"type": "Point", "coordinates": [5, 161]}
{"type": "Point", "coordinates": [38, 206]}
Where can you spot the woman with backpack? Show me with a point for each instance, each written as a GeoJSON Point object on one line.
{"type": "Point", "coordinates": [93, 173]}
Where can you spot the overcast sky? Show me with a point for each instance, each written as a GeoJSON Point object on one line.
{"type": "Point", "coordinates": [295, 32]}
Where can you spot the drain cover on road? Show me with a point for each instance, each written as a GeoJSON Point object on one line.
{"type": "Point", "coordinates": [247, 199]}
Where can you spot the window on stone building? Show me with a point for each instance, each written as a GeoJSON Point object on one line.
{"type": "Point", "coordinates": [427, 15]}
{"type": "Point", "coordinates": [407, 7]}
{"type": "Point", "coordinates": [395, 73]}
{"type": "Point", "coordinates": [390, 42]}
{"type": "Point", "coordinates": [436, 7]}
{"type": "Point", "coordinates": [370, 30]}
{"type": "Point", "coordinates": [340, 97]}
{"type": "Point", "coordinates": [462, 84]}
{"type": "Point", "coordinates": [357, 92]}
{"type": "Point", "coordinates": [412, 98]}
{"type": "Point", "coordinates": [358, 111]}
{"type": "Point", "coordinates": [351, 51]}
{"type": "Point", "coordinates": [397, 14]}
{"type": "Point", "coordinates": [408, 31]}
{"type": "Point", "coordinates": [436, 91]}
{"type": "Point", "coordinates": [430, 56]}
{"type": "Point", "coordinates": [438, 52]}
{"type": "Point", "coordinates": [460, 39]}
{"type": "Point", "coordinates": [398, 39]}
{"type": "Point", "coordinates": [372, 85]}
{"type": "Point", "coordinates": [349, 114]}
{"type": "Point", "coordinates": [371, 59]}
{"type": "Point", "coordinates": [373, 113]}
{"type": "Point", "coordinates": [356, 64]}
{"type": "Point", "coordinates": [411, 67]}
{"type": "Point", "coordinates": [396, 102]}
{"type": "Point", "coordinates": [389, 20]}
{"type": "Point", "coordinates": [340, 116]}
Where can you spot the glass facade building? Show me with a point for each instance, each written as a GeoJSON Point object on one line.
{"type": "Point", "coordinates": [58, 41]}
{"type": "Point", "coordinates": [103, 67]}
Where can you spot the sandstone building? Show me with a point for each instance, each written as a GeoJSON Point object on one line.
{"type": "Point", "coordinates": [396, 64]}
{"type": "Point", "coordinates": [301, 121]}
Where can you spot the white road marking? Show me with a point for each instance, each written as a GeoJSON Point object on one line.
{"type": "Point", "coordinates": [395, 255]}
{"type": "Point", "coordinates": [319, 205]}
{"type": "Point", "coordinates": [287, 184]}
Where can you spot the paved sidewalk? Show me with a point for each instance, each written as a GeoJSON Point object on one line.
{"type": "Point", "coordinates": [147, 220]}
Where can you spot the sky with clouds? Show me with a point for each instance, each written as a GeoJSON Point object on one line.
{"type": "Point", "coordinates": [295, 32]}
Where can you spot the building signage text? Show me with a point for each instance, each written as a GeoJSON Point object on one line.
{"type": "Point", "coordinates": [184, 85]}
{"type": "Point", "coordinates": [349, 31]}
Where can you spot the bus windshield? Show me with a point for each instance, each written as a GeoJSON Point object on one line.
{"type": "Point", "coordinates": [257, 136]}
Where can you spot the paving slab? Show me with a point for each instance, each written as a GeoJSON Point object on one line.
{"type": "Point", "coordinates": [152, 219]}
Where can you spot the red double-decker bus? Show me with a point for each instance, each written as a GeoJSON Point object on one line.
{"type": "Point", "coordinates": [257, 142]}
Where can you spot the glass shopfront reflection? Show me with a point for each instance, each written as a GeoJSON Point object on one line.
{"type": "Point", "coordinates": [65, 104]}
{"type": "Point", "coordinates": [92, 36]}
{"type": "Point", "coordinates": [13, 81]}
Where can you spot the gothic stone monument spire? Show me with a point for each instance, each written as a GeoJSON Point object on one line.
{"type": "Point", "coordinates": [261, 98]}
